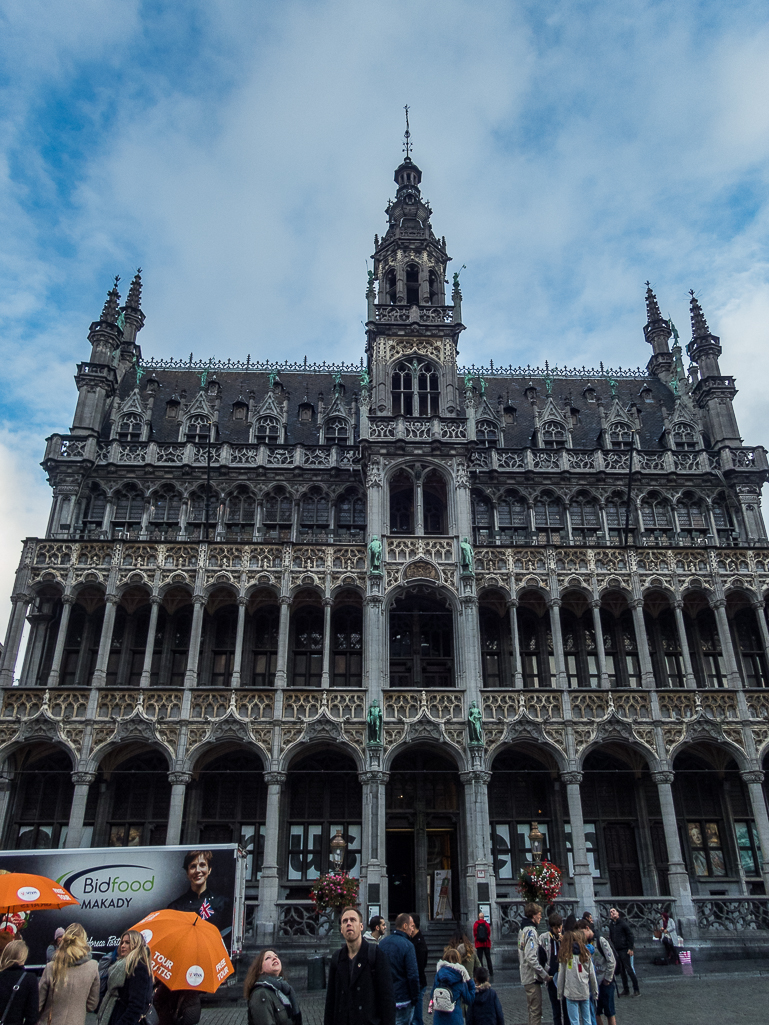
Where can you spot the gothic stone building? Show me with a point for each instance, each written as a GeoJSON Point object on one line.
{"type": "Point", "coordinates": [548, 585]}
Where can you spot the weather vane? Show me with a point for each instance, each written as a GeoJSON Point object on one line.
{"type": "Point", "coordinates": [407, 136]}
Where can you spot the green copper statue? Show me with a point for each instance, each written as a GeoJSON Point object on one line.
{"type": "Point", "coordinates": [365, 379]}
{"type": "Point", "coordinates": [375, 555]}
{"type": "Point", "coordinates": [466, 555]}
{"type": "Point", "coordinates": [374, 724]}
{"type": "Point", "coordinates": [475, 724]}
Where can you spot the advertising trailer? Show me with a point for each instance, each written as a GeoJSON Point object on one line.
{"type": "Point", "coordinates": [118, 886]}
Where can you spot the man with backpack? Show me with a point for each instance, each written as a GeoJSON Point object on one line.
{"type": "Point", "coordinates": [360, 987]}
{"type": "Point", "coordinates": [402, 956]}
{"type": "Point", "coordinates": [482, 940]}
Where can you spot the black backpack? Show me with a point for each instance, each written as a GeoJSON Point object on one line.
{"type": "Point", "coordinates": [481, 932]}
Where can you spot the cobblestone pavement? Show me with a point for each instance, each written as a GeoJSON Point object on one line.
{"type": "Point", "coordinates": [714, 994]}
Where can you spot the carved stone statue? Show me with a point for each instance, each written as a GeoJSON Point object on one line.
{"type": "Point", "coordinates": [375, 555]}
{"type": "Point", "coordinates": [475, 724]}
{"type": "Point", "coordinates": [374, 724]}
{"type": "Point", "coordinates": [365, 379]}
{"type": "Point", "coordinates": [466, 555]}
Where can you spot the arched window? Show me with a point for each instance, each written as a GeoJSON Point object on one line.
{"type": "Point", "coordinates": [324, 795]}
{"type": "Point", "coordinates": [241, 515]}
{"type": "Point", "coordinates": [616, 517]}
{"type": "Point", "coordinates": [42, 801]}
{"type": "Point", "coordinates": [130, 427]}
{"type": "Point", "coordinates": [621, 649]}
{"type": "Point", "coordinates": [222, 628]}
{"type": "Point", "coordinates": [513, 515]}
{"type": "Point", "coordinates": [434, 503]}
{"type": "Point", "coordinates": [579, 647]}
{"type": "Point", "coordinates": [401, 504]}
{"type": "Point", "coordinates": [708, 660]}
{"type": "Point", "coordinates": [307, 664]}
{"type": "Point", "coordinates": [421, 644]}
{"type": "Point", "coordinates": [548, 519]}
{"type": "Point", "coordinates": [685, 438]}
{"type": "Point", "coordinates": [655, 515]}
{"type": "Point", "coordinates": [347, 653]}
{"type": "Point", "coordinates": [520, 792]}
{"type": "Point", "coordinates": [197, 429]}
{"type": "Point", "coordinates": [391, 287]}
{"type": "Point", "coordinates": [265, 645]}
{"type": "Point", "coordinates": [723, 520]}
{"type": "Point", "coordinates": [750, 648]}
{"type": "Point", "coordinates": [165, 509]}
{"type": "Point", "coordinates": [646, 395]}
{"type": "Point", "coordinates": [93, 511]}
{"type": "Point", "coordinates": [336, 431]}
{"type": "Point", "coordinates": [267, 431]}
{"type": "Point", "coordinates": [553, 434]}
{"type": "Point", "coordinates": [202, 513]}
{"type": "Point", "coordinates": [620, 436]}
{"type": "Point", "coordinates": [278, 516]}
{"type": "Point", "coordinates": [536, 645]}
{"type": "Point", "coordinates": [233, 806]}
{"type": "Point", "coordinates": [314, 516]}
{"type": "Point", "coordinates": [412, 285]}
{"type": "Point", "coordinates": [350, 516]}
{"type": "Point", "coordinates": [493, 654]}
{"type": "Point", "coordinates": [585, 519]}
{"type": "Point", "coordinates": [140, 795]}
{"type": "Point", "coordinates": [415, 389]}
{"type": "Point", "coordinates": [665, 647]}
{"type": "Point", "coordinates": [435, 288]}
{"type": "Point", "coordinates": [692, 518]}
{"type": "Point", "coordinates": [128, 511]}
{"type": "Point", "coordinates": [487, 433]}
{"type": "Point", "coordinates": [483, 518]}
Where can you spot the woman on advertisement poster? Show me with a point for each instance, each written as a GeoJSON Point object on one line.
{"type": "Point", "coordinates": [199, 897]}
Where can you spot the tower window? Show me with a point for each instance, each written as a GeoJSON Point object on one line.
{"type": "Point", "coordinates": [391, 287]}
{"type": "Point", "coordinates": [435, 296]}
{"type": "Point", "coordinates": [408, 401]}
{"type": "Point", "coordinates": [412, 285]}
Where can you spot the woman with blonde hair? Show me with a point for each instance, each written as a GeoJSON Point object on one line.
{"type": "Point", "coordinates": [129, 987]}
{"type": "Point", "coordinates": [70, 983]}
{"type": "Point", "coordinates": [18, 989]}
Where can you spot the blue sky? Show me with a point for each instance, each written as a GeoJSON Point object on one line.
{"type": "Point", "coordinates": [242, 154]}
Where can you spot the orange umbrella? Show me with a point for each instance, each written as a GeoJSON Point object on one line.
{"type": "Point", "coordinates": [21, 891]}
{"type": "Point", "coordinates": [187, 952]}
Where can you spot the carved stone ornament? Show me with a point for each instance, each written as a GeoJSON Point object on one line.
{"type": "Point", "coordinates": [424, 727]}
{"type": "Point", "coordinates": [373, 776]}
{"type": "Point", "coordinates": [179, 779]}
{"type": "Point", "coordinates": [230, 727]}
{"type": "Point", "coordinates": [752, 775]}
{"type": "Point", "coordinates": [524, 727]}
{"type": "Point", "coordinates": [614, 728]}
{"type": "Point", "coordinates": [421, 568]}
{"type": "Point", "coordinates": [41, 726]}
{"type": "Point", "coordinates": [571, 778]}
{"type": "Point", "coordinates": [662, 776]}
{"type": "Point", "coordinates": [323, 727]}
{"type": "Point", "coordinates": [703, 728]}
{"type": "Point", "coordinates": [83, 779]}
{"type": "Point", "coordinates": [275, 779]}
{"type": "Point", "coordinates": [481, 776]}
{"type": "Point", "coordinates": [374, 474]}
{"type": "Point", "coordinates": [136, 727]}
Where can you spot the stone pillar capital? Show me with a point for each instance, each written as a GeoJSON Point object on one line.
{"type": "Point", "coordinates": [595, 603]}
{"type": "Point", "coordinates": [572, 777]}
{"type": "Point", "coordinates": [636, 603]}
{"type": "Point", "coordinates": [21, 598]}
{"type": "Point", "coordinates": [554, 603]}
{"type": "Point", "coordinates": [759, 603]}
{"type": "Point", "coordinates": [112, 599]}
{"type": "Point", "coordinates": [242, 601]}
{"type": "Point", "coordinates": [68, 599]}
{"type": "Point", "coordinates": [327, 603]}
{"type": "Point", "coordinates": [156, 600]}
{"type": "Point", "coordinates": [83, 779]}
{"type": "Point", "coordinates": [717, 603]}
{"type": "Point", "coordinates": [275, 779]}
{"type": "Point", "coordinates": [177, 779]}
{"type": "Point", "coordinates": [285, 599]}
{"type": "Point", "coordinates": [678, 603]}
{"type": "Point", "coordinates": [512, 603]}
{"type": "Point", "coordinates": [752, 775]}
{"type": "Point", "coordinates": [661, 776]}
{"type": "Point", "coordinates": [373, 776]}
{"type": "Point", "coordinates": [482, 776]}
{"type": "Point", "coordinates": [199, 599]}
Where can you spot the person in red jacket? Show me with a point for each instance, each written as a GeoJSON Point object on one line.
{"type": "Point", "coordinates": [482, 940]}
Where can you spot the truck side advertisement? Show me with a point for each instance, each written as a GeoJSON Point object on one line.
{"type": "Point", "coordinates": [118, 886]}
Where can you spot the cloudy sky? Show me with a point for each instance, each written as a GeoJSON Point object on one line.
{"type": "Point", "coordinates": [242, 152]}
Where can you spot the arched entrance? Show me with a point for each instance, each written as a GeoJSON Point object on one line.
{"type": "Point", "coordinates": [423, 838]}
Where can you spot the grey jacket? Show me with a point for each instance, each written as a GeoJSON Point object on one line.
{"type": "Point", "coordinates": [69, 1000]}
{"type": "Point", "coordinates": [604, 960]}
{"type": "Point", "coordinates": [577, 981]}
{"type": "Point", "coordinates": [528, 961]}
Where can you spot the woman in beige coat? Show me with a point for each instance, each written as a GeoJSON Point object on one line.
{"type": "Point", "coordinates": [70, 983]}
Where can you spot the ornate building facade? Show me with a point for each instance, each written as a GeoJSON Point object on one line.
{"type": "Point", "coordinates": [420, 605]}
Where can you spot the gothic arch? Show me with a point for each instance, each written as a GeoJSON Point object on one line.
{"type": "Point", "coordinates": [303, 748]}
{"type": "Point", "coordinates": [201, 755]}
{"type": "Point", "coordinates": [437, 744]}
{"type": "Point", "coordinates": [117, 750]}
{"type": "Point", "coordinates": [620, 743]}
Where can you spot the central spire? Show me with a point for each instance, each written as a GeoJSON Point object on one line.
{"type": "Point", "coordinates": [407, 135]}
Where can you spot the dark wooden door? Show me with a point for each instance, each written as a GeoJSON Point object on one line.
{"type": "Point", "coordinates": [400, 871]}
{"type": "Point", "coordinates": [622, 860]}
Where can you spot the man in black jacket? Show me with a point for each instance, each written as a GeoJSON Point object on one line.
{"type": "Point", "coordinates": [360, 987]}
{"type": "Point", "coordinates": [621, 936]}
{"type": "Point", "coordinates": [420, 949]}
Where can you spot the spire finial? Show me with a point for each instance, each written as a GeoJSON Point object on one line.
{"type": "Point", "coordinates": [652, 307]}
{"type": "Point", "coordinates": [407, 135]}
{"type": "Point", "coordinates": [134, 299]}
{"type": "Point", "coordinates": [110, 311]}
{"type": "Point", "coordinates": [700, 327]}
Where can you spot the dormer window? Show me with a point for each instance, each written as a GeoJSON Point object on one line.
{"type": "Point", "coordinates": [305, 413]}
{"type": "Point", "coordinates": [553, 435]}
{"type": "Point", "coordinates": [620, 437]}
{"type": "Point", "coordinates": [646, 395]}
{"type": "Point", "coordinates": [509, 415]}
{"type": "Point", "coordinates": [684, 438]}
{"type": "Point", "coordinates": [412, 285]}
{"type": "Point", "coordinates": [531, 394]}
{"type": "Point", "coordinates": [267, 431]}
{"type": "Point", "coordinates": [172, 410]}
{"type": "Point", "coordinates": [239, 411]}
{"type": "Point", "coordinates": [415, 390]}
{"type": "Point", "coordinates": [574, 414]}
{"type": "Point", "coordinates": [486, 433]}
{"type": "Point", "coordinates": [198, 429]}
{"type": "Point", "coordinates": [589, 394]}
{"type": "Point", "coordinates": [336, 431]}
{"type": "Point", "coordinates": [130, 427]}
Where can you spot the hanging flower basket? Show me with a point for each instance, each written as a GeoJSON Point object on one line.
{"type": "Point", "coordinates": [334, 891]}
{"type": "Point", "coordinates": [540, 884]}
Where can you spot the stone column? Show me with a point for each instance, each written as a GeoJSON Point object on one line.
{"type": "Point", "coordinates": [469, 637]}
{"type": "Point", "coordinates": [583, 879]}
{"type": "Point", "coordinates": [267, 920]}
{"type": "Point", "coordinates": [105, 641]}
{"type": "Point", "coordinates": [479, 871]}
{"type": "Point", "coordinates": [5, 799]}
{"type": "Point", "coordinates": [561, 680]}
{"type": "Point", "coordinates": [647, 670]}
{"type": "Point", "coordinates": [678, 877]}
{"type": "Point", "coordinates": [373, 857]}
{"type": "Point", "coordinates": [512, 606]}
{"type": "Point", "coordinates": [67, 601]}
{"type": "Point", "coordinates": [374, 646]}
{"type": "Point", "coordinates": [146, 678]}
{"type": "Point", "coordinates": [758, 607]}
{"type": "Point", "coordinates": [325, 679]}
{"type": "Point", "coordinates": [419, 507]}
{"type": "Point", "coordinates": [13, 638]}
{"type": "Point", "coordinates": [280, 668]}
{"type": "Point", "coordinates": [83, 782]}
{"type": "Point", "coordinates": [691, 680]}
{"type": "Point", "coordinates": [725, 636]}
{"type": "Point", "coordinates": [179, 782]}
{"type": "Point", "coordinates": [595, 604]}
{"type": "Point", "coordinates": [238, 661]}
{"type": "Point", "coordinates": [754, 779]}
{"type": "Point", "coordinates": [193, 656]}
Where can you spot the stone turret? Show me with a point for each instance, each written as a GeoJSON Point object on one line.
{"type": "Point", "coordinates": [657, 333]}
{"type": "Point", "coordinates": [97, 380]}
{"type": "Point", "coordinates": [714, 393]}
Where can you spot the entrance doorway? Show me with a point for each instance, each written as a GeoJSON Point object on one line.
{"type": "Point", "coordinates": [622, 860]}
{"type": "Point", "coordinates": [423, 819]}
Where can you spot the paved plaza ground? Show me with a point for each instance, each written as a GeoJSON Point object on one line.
{"type": "Point", "coordinates": [714, 994]}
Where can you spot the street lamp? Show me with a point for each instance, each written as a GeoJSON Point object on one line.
{"type": "Point", "coordinates": [535, 841]}
{"type": "Point", "coordinates": [338, 846]}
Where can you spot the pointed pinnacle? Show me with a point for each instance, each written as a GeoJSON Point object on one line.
{"type": "Point", "coordinates": [700, 327]}
{"type": "Point", "coordinates": [134, 299]}
{"type": "Point", "coordinates": [652, 306]}
{"type": "Point", "coordinates": [110, 311]}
